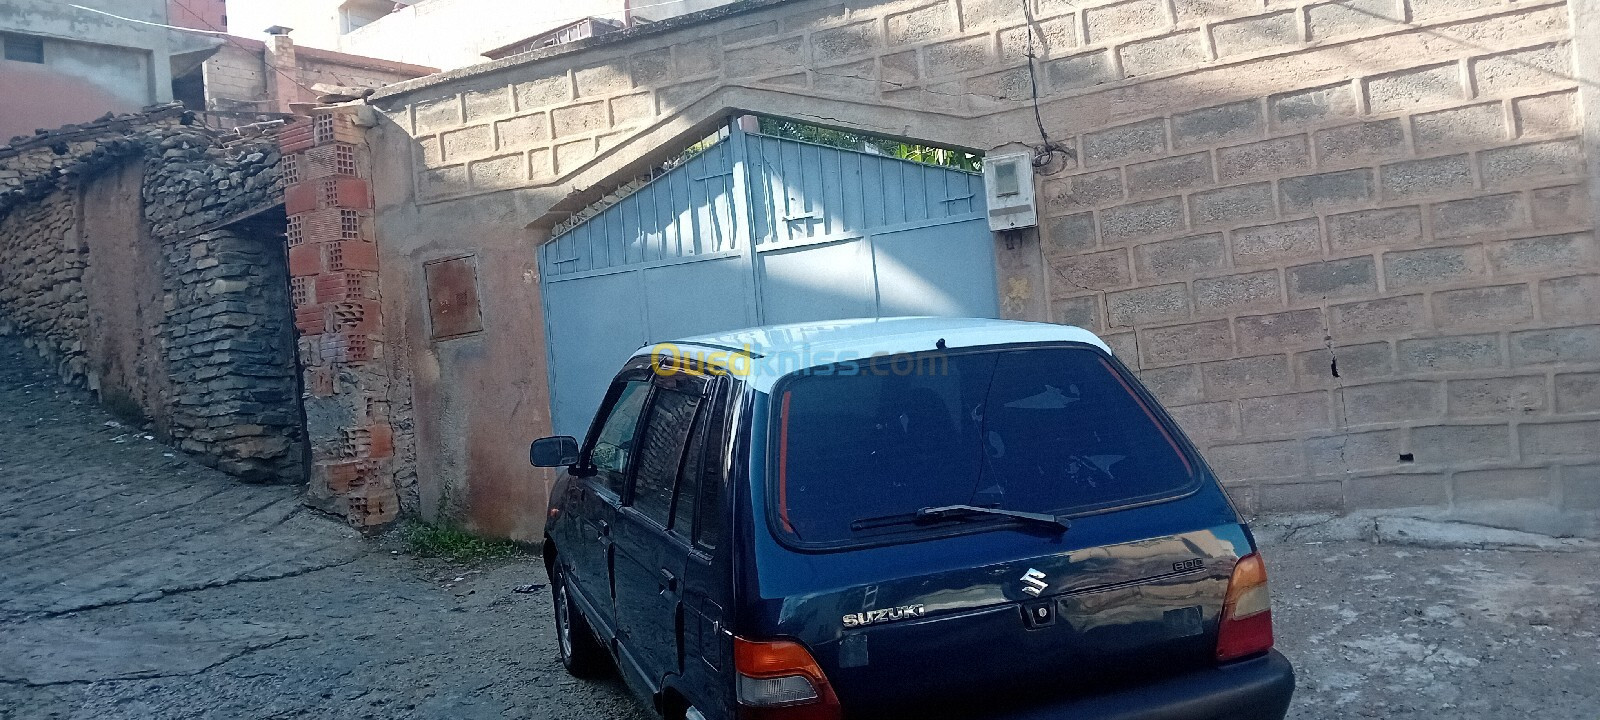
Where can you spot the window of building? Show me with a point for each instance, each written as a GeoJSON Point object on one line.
{"type": "Point", "coordinates": [22, 48]}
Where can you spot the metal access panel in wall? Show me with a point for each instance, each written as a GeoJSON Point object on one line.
{"type": "Point", "coordinates": [758, 230]}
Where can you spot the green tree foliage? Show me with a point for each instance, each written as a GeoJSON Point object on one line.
{"type": "Point", "coordinates": [926, 154]}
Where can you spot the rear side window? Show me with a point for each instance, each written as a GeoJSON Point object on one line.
{"type": "Point", "coordinates": [661, 454]}
{"type": "Point", "coordinates": [860, 448]}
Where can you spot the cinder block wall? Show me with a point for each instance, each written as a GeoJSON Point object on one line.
{"type": "Point", "coordinates": [1258, 188]}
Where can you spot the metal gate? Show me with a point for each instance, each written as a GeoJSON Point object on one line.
{"type": "Point", "coordinates": [759, 230]}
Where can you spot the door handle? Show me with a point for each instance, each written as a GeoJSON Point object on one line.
{"type": "Point", "coordinates": [669, 582]}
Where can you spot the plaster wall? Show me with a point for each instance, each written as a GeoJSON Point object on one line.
{"type": "Point", "coordinates": [1255, 189]}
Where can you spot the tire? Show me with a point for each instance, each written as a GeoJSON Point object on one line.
{"type": "Point", "coordinates": [581, 654]}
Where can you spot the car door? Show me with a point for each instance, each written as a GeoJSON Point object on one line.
{"type": "Point", "coordinates": [597, 495]}
{"type": "Point", "coordinates": [650, 556]}
{"type": "Point", "coordinates": [701, 522]}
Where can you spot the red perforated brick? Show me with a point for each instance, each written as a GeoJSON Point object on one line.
{"type": "Point", "coordinates": [291, 169]}
{"type": "Point", "coordinates": [305, 259]}
{"type": "Point", "coordinates": [382, 441]}
{"type": "Point", "coordinates": [360, 318]}
{"type": "Point", "coordinates": [352, 256]}
{"type": "Point", "coordinates": [310, 320]}
{"type": "Point", "coordinates": [343, 477]}
{"type": "Point", "coordinates": [295, 137]}
{"type": "Point", "coordinates": [300, 198]}
{"type": "Point", "coordinates": [301, 290]}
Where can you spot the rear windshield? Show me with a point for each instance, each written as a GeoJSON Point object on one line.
{"type": "Point", "coordinates": [861, 447]}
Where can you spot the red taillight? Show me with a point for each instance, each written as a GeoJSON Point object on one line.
{"type": "Point", "coordinates": [1247, 615]}
{"type": "Point", "coordinates": [779, 680]}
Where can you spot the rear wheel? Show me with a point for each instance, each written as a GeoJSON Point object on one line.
{"type": "Point", "coordinates": [581, 654]}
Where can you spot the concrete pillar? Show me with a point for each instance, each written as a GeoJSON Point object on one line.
{"type": "Point", "coordinates": [283, 72]}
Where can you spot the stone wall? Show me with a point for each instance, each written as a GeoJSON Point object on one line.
{"type": "Point", "coordinates": [1253, 189]}
{"type": "Point", "coordinates": [191, 327]}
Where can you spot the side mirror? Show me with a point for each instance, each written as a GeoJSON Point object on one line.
{"type": "Point", "coordinates": [558, 451]}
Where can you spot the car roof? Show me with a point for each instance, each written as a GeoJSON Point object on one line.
{"type": "Point", "coordinates": [778, 350]}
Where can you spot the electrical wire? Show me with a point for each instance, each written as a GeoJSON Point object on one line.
{"type": "Point", "coordinates": [1044, 156]}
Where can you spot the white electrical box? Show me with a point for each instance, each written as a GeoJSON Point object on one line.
{"type": "Point", "coordinates": [1008, 182]}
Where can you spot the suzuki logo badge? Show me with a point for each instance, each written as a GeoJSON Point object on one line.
{"type": "Point", "coordinates": [1034, 582]}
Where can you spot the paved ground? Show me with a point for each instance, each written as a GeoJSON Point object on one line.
{"type": "Point", "coordinates": [136, 584]}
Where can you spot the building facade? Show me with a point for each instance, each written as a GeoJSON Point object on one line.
{"type": "Point", "coordinates": [1349, 244]}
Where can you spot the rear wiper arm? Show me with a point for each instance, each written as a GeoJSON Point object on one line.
{"type": "Point", "coordinates": [930, 513]}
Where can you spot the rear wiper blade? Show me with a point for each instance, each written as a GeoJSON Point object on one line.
{"type": "Point", "coordinates": [933, 513]}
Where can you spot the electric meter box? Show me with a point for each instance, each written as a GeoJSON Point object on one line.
{"type": "Point", "coordinates": [1008, 183]}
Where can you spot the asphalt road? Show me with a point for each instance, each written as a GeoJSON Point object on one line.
{"type": "Point", "coordinates": [135, 583]}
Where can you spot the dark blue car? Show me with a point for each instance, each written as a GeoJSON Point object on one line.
{"type": "Point", "coordinates": [911, 517]}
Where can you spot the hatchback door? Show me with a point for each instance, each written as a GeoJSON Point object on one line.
{"type": "Point", "coordinates": [988, 526]}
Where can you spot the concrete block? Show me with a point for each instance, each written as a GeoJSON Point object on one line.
{"type": "Point", "coordinates": [1498, 306]}
{"type": "Point", "coordinates": [1207, 422]}
{"type": "Point", "coordinates": [1232, 206]}
{"type": "Point", "coordinates": [1125, 19]}
{"type": "Point", "coordinates": [1246, 377]}
{"type": "Point", "coordinates": [1356, 363]}
{"type": "Point", "coordinates": [1148, 305]}
{"type": "Point", "coordinates": [468, 143]}
{"type": "Point", "coordinates": [1426, 178]}
{"type": "Point", "coordinates": [1430, 9]}
{"type": "Point", "coordinates": [1558, 346]}
{"type": "Point", "coordinates": [1095, 271]}
{"type": "Point", "coordinates": [1485, 214]}
{"type": "Point", "coordinates": [570, 156]}
{"type": "Point", "coordinates": [543, 92]}
{"type": "Point", "coordinates": [750, 33]}
{"type": "Point", "coordinates": [1123, 345]}
{"type": "Point", "coordinates": [523, 132]}
{"type": "Point", "coordinates": [1327, 191]}
{"type": "Point", "coordinates": [950, 58]}
{"type": "Point", "coordinates": [1398, 401]}
{"type": "Point", "coordinates": [603, 79]}
{"type": "Point", "coordinates": [1333, 279]}
{"type": "Point", "coordinates": [1443, 354]}
{"type": "Point", "coordinates": [1293, 330]}
{"type": "Point", "coordinates": [920, 25]}
{"type": "Point", "coordinates": [1457, 127]}
{"type": "Point", "coordinates": [1257, 461]}
{"type": "Point", "coordinates": [1368, 229]}
{"type": "Point", "coordinates": [1552, 114]}
{"type": "Point", "coordinates": [1263, 159]}
{"type": "Point", "coordinates": [1195, 342]}
{"type": "Point", "coordinates": [857, 79]}
{"type": "Point", "coordinates": [1137, 221]}
{"type": "Point", "coordinates": [900, 68]}
{"type": "Point", "coordinates": [1180, 258]}
{"type": "Point", "coordinates": [492, 102]}
{"type": "Point", "coordinates": [1396, 491]}
{"type": "Point", "coordinates": [985, 13]}
{"type": "Point", "coordinates": [1361, 142]}
{"type": "Point", "coordinates": [1415, 89]}
{"type": "Point", "coordinates": [650, 69]}
{"type": "Point", "coordinates": [1313, 106]}
{"type": "Point", "coordinates": [1535, 162]}
{"type": "Point", "coordinates": [1498, 397]}
{"type": "Point", "coordinates": [1559, 440]}
{"type": "Point", "coordinates": [1285, 414]}
{"type": "Point", "coordinates": [1267, 244]}
{"type": "Point", "coordinates": [1542, 254]}
{"type": "Point", "coordinates": [1534, 68]}
{"type": "Point", "coordinates": [1081, 312]}
{"type": "Point", "coordinates": [1220, 124]}
{"type": "Point", "coordinates": [1248, 291]}
{"type": "Point", "coordinates": [578, 119]}
{"type": "Point", "coordinates": [1580, 487]}
{"type": "Point", "coordinates": [498, 173]}
{"type": "Point", "coordinates": [1169, 175]}
{"type": "Point", "coordinates": [1347, 17]}
{"type": "Point", "coordinates": [1569, 299]}
{"type": "Point", "coordinates": [1193, 11]}
{"type": "Point", "coordinates": [1301, 497]}
{"type": "Point", "coordinates": [1432, 266]}
{"type": "Point", "coordinates": [767, 59]}
{"type": "Point", "coordinates": [631, 109]}
{"type": "Point", "coordinates": [1174, 386]}
{"type": "Point", "coordinates": [1082, 192]}
{"type": "Point", "coordinates": [1070, 235]}
{"type": "Point", "coordinates": [1557, 206]}
{"type": "Point", "coordinates": [1255, 34]}
{"type": "Point", "coordinates": [1080, 71]}
{"type": "Point", "coordinates": [857, 39]}
{"type": "Point", "coordinates": [1169, 52]}
{"type": "Point", "coordinates": [1117, 145]}
{"type": "Point", "coordinates": [1509, 484]}
{"type": "Point", "coordinates": [1052, 37]}
{"type": "Point", "coordinates": [680, 95]}
{"type": "Point", "coordinates": [697, 57]}
{"type": "Point", "coordinates": [1353, 452]}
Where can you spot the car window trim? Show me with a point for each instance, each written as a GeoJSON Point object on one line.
{"type": "Point", "coordinates": [1196, 482]}
{"type": "Point", "coordinates": [593, 437]}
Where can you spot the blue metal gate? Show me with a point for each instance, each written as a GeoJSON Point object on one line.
{"type": "Point", "coordinates": [759, 230]}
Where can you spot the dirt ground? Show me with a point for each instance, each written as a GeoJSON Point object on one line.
{"type": "Point", "coordinates": [135, 583]}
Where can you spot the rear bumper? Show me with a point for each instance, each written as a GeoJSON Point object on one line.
{"type": "Point", "coordinates": [1256, 689]}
